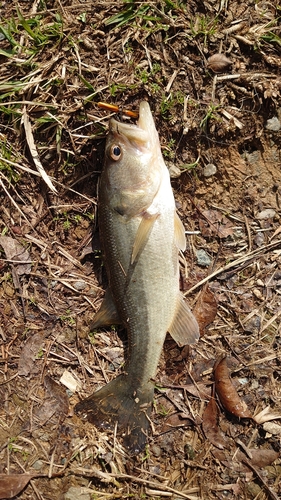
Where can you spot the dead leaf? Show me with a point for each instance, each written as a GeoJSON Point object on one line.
{"type": "Point", "coordinates": [29, 354]}
{"type": "Point", "coordinates": [57, 393]}
{"type": "Point", "coordinates": [215, 223]}
{"type": "Point", "coordinates": [227, 393]}
{"type": "Point", "coordinates": [176, 420]}
{"type": "Point", "coordinates": [265, 416]}
{"type": "Point", "coordinates": [210, 425]}
{"type": "Point", "coordinates": [11, 485]}
{"type": "Point", "coordinates": [205, 309]}
{"type": "Point", "coordinates": [200, 390]}
{"type": "Point", "coordinates": [55, 401]}
{"type": "Point", "coordinates": [16, 253]}
{"type": "Point", "coordinates": [260, 457]}
{"type": "Point", "coordinates": [72, 383]}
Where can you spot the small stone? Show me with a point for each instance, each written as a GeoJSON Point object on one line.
{"type": "Point", "coordinates": [257, 293]}
{"type": "Point", "coordinates": [273, 124]}
{"type": "Point", "coordinates": [80, 285]}
{"type": "Point", "coordinates": [75, 492]}
{"type": "Point", "coordinates": [209, 170]}
{"type": "Point", "coordinates": [272, 428]}
{"type": "Point", "coordinates": [38, 465]}
{"type": "Point", "coordinates": [253, 157]}
{"type": "Point", "coordinates": [253, 325]}
{"type": "Point", "coordinates": [156, 450]}
{"type": "Point", "coordinates": [259, 239]}
{"type": "Point", "coordinates": [174, 171]}
{"type": "Point", "coordinates": [203, 259]}
{"type": "Point", "coordinates": [268, 213]}
{"type": "Point", "coordinates": [243, 381]}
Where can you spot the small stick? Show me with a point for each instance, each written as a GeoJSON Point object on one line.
{"type": "Point", "coordinates": [116, 109]}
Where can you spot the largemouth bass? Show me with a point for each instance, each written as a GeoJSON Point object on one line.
{"type": "Point", "coordinates": [141, 235]}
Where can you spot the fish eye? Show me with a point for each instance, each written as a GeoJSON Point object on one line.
{"type": "Point", "coordinates": [115, 152]}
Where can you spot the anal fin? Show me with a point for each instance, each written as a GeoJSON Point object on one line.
{"type": "Point", "coordinates": [107, 314]}
{"type": "Point", "coordinates": [184, 328]}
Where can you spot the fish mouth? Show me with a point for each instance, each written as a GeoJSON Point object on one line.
{"type": "Point", "coordinates": [143, 133]}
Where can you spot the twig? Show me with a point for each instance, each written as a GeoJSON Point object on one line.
{"type": "Point", "coordinates": [240, 260]}
{"type": "Point", "coordinates": [155, 485]}
{"type": "Point", "coordinates": [248, 233]}
{"type": "Point", "coordinates": [34, 152]}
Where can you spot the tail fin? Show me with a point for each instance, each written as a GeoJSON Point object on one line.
{"type": "Point", "coordinates": [117, 402]}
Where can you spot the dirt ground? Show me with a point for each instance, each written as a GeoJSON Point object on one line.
{"type": "Point", "coordinates": [211, 73]}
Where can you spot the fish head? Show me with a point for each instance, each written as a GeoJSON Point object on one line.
{"type": "Point", "coordinates": [133, 166]}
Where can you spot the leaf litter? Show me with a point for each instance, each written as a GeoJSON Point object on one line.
{"type": "Point", "coordinates": [58, 60]}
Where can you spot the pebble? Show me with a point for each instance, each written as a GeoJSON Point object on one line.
{"type": "Point", "coordinates": [268, 213]}
{"type": "Point", "coordinates": [209, 170]}
{"type": "Point", "coordinates": [80, 285]}
{"type": "Point", "coordinates": [273, 124]}
{"type": "Point", "coordinates": [243, 381]}
{"type": "Point", "coordinates": [174, 171]}
{"type": "Point", "coordinates": [203, 258]}
{"type": "Point", "coordinates": [253, 157]}
{"type": "Point", "coordinates": [75, 492]}
{"type": "Point", "coordinates": [259, 239]}
{"type": "Point", "coordinates": [38, 465]}
{"type": "Point", "coordinates": [156, 450]}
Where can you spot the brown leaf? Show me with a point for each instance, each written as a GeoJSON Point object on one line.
{"type": "Point", "coordinates": [227, 393]}
{"type": "Point", "coordinates": [210, 425]}
{"type": "Point", "coordinates": [12, 485]}
{"type": "Point", "coordinates": [260, 457]}
{"type": "Point", "coordinates": [29, 355]}
{"type": "Point", "coordinates": [176, 420]}
{"type": "Point", "coordinates": [215, 223]}
{"type": "Point", "coordinates": [55, 403]}
{"type": "Point", "coordinates": [199, 390]}
{"type": "Point", "coordinates": [14, 251]}
{"type": "Point", "coordinates": [205, 309]}
{"type": "Point", "coordinates": [58, 393]}
{"type": "Point", "coordinates": [225, 229]}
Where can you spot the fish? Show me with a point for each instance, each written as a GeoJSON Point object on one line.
{"type": "Point", "coordinates": [141, 235]}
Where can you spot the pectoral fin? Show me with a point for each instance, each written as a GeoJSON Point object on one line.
{"type": "Point", "coordinates": [184, 328]}
{"type": "Point", "coordinates": [142, 235]}
{"type": "Point", "coordinates": [180, 239]}
{"type": "Point", "coordinates": [107, 314]}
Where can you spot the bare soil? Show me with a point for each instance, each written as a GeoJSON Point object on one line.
{"type": "Point", "coordinates": [219, 122]}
